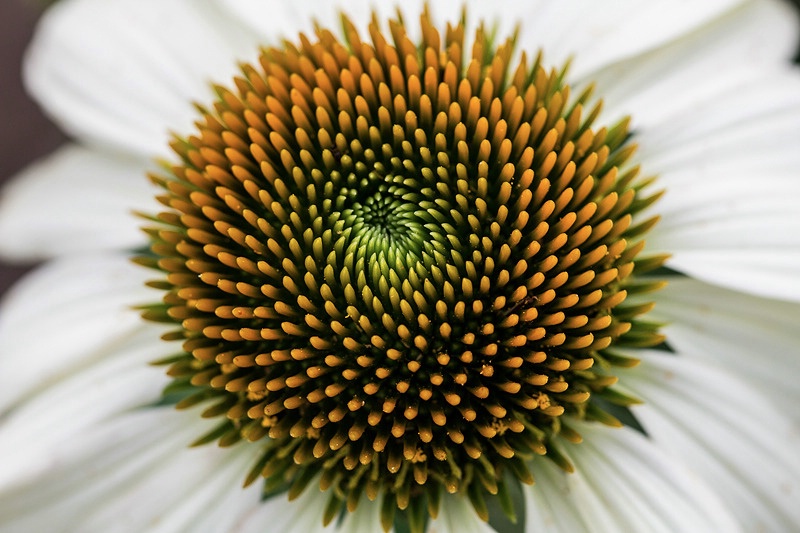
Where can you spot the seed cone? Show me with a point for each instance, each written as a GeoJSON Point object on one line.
{"type": "Point", "coordinates": [400, 266]}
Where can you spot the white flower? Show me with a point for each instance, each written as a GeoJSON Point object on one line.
{"type": "Point", "coordinates": [715, 109]}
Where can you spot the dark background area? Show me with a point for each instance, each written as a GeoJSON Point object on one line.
{"type": "Point", "coordinates": [25, 134]}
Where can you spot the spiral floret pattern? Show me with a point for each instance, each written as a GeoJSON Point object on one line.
{"type": "Point", "coordinates": [401, 267]}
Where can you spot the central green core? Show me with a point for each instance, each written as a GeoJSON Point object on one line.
{"type": "Point", "coordinates": [400, 268]}
{"type": "Point", "coordinates": [381, 218]}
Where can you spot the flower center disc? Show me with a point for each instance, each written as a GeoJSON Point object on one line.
{"type": "Point", "coordinates": [399, 266]}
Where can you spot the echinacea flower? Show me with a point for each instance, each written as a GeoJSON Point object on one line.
{"type": "Point", "coordinates": [408, 269]}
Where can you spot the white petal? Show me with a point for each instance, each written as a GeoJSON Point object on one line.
{"type": "Point", "coordinates": [105, 454]}
{"type": "Point", "coordinates": [726, 432]}
{"type": "Point", "coordinates": [365, 519]}
{"type": "Point", "coordinates": [622, 482]}
{"type": "Point", "coordinates": [729, 215]}
{"type": "Point", "coordinates": [191, 490]}
{"type": "Point", "coordinates": [69, 315]}
{"type": "Point", "coordinates": [456, 515]}
{"type": "Point", "coordinates": [756, 338]}
{"type": "Point", "coordinates": [596, 35]}
{"type": "Point", "coordinates": [133, 472]}
{"type": "Point", "coordinates": [753, 113]}
{"type": "Point", "coordinates": [74, 201]}
{"type": "Point", "coordinates": [63, 410]}
{"type": "Point", "coordinates": [303, 515]}
{"type": "Point", "coordinates": [286, 20]}
{"type": "Point", "coordinates": [740, 45]}
{"type": "Point", "coordinates": [773, 272]}
{"type": "Point", "coordinates": [121, 74]}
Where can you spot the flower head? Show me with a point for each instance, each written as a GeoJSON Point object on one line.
{"type": "Point", "coordinates": [407, 262]}
{"type": "Point", "coordinates": [401, 265]}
